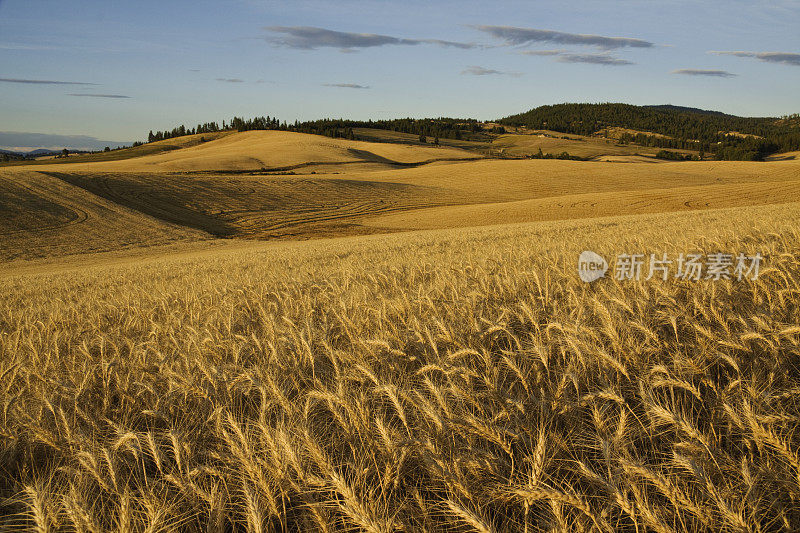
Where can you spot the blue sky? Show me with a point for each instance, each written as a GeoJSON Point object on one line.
{"type": "Point", "coordinates": [146, 64]}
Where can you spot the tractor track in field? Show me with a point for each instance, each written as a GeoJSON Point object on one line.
{"type": "Point", "coordinates": [66, 213]}
{"type": "Point", "coordinates": [43, 216]}
{"type": "Point", "coordinates": [374, 159]}
{"type": "Point", "coordinates": [261, 208]}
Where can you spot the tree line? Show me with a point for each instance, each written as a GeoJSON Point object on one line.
{"type": "Point", "coordinates": [442, 127]}
{"type": "Point", "coordinates": [237, 124]}
{"type": "Point", "coordinates": [445, 128]}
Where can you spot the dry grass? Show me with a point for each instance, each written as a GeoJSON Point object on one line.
{"type": "Point", "coordinates": [255, 150]}
{"type": "Point", "coordinates": [616, 133]}
{"type": "Point", "coordinates": [478, 143]}
{"type": "Point", "coordinates": [459, 380]}
{"type": "Point", "coordinates": [498, 180]}
{"type": "Point", "coordinates": [590, 205]}
{"type": "Point", "coordinates": [785, 156]}
{"type": "Point", "coordinates": [579, 145]}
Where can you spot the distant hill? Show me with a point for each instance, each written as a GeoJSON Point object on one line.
{"type": "Point", "coordinates": [26, 142]}
{"type": "Point", "coordinates": [32, 154]}
{"type": "Point", "coordinates": [727, 136]}
{"type": "Point", "coordinates": [6, 155]}
{"type": "Point", "coordinates": [41, 152]}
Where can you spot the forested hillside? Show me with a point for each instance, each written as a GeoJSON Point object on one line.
{"type": "Point", "coordinates": [727, 136]}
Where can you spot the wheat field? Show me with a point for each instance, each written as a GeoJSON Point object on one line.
{"type": "Point", "coordinates": [450, 380]}
{"type": "Point", "coordinates": [590, 205]}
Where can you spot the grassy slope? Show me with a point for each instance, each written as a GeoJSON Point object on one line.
{"type": "Point", "coordinates": [519, 191]}
{"type": "Point", "coordinates": [255, 150]}
{"type": "Point", "coordinates": [148, 149]}
{"type": "Point", "coordinates": [262, 206]}
{"type": "Point", "coordinates": [582, 146]}
{"type": "Point", "coordinates": [478, 143]}
{"type": "Point", "coordinates": [785, 156]}
{"type": "Point", "coordinates": [591, 205]}
{"type": "Point", "coordinates": [452, 380]}
{"type": "Point", "coordinates": [543, 178]}
{"type": "Point", "coordinates": [46, 217]}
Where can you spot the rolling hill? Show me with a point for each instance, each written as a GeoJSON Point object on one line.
{"type": "Point", "coordinates": [141, 150]}
{"type": "Point", "coordinates": [46, 217]}
{"type": "Point", "coordinates": [584, 146]}
{"type": "Point", "coordinates": [285, 185]}
{"type": "Point", "coordinates": [274, 151]}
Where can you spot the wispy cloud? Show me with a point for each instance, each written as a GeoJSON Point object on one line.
{"type": "Point", "coordinates": [92, 95]}
{"type": "Point", "coordinates": [704, 72]}
{"type": "Point", "coordinates": [310, 38]}
{"type": "Point", "coordinates": [33, 47]}
{"type": "Point", "coordinates": [446, 44]}
{"type": "Point", "coordinates": [563, 56]}
{"type": "Point", "coordinates": [522, 36]}
{"type": "Point", "coordinates": [594, 59]}
{"type": "Point", "coordinates": [544, 53]}
{"type": "Point", "coordinates": [346, 85]}
{"type": "Point", "coordinates": [230, 80]}
{"type": "Point", "coordinates": [786, 58]}
{"type": "Point", "coordinates": [44, 82]}
{"type": "Point", "coordinates": [481, 71]}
